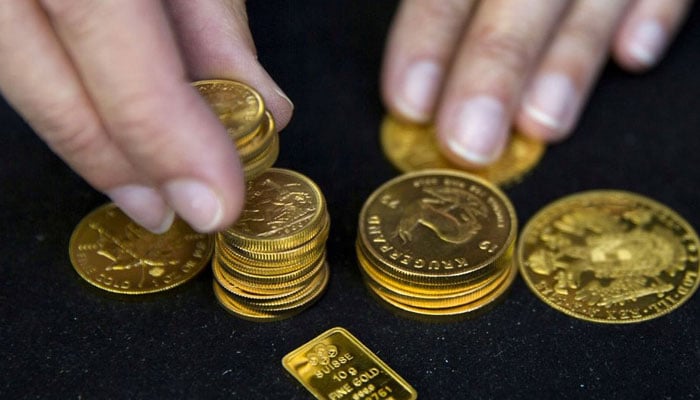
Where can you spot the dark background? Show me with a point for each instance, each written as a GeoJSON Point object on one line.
{"type": "Point", "coordinates": [61, 338]}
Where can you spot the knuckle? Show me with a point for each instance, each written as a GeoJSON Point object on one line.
{"type": "Point", "coordinates": [66, 132]}
{"type": "Point", "coordinates": [79, 16]}
{"type": "Point", "coordinates": [503, 48]}
{"type": "Point", "coordinates": [445, 9]}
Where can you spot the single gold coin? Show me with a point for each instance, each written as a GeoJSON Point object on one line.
{"type": "Point", "coordinates": [283, 210]}
{"type": "Point", "coordinates": [609, 256]}
{"type": "Point", "coordinates": [113, 253]}
{"type": "Point", "coordinates": [413, 147]}
{"type": "Point", "coordinates": [239, 107]}
{"type": "Point", "coordinates": [436, 226]}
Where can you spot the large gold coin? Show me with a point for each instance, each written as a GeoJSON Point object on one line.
{"type": "Point", "coordinates": [284, 209]}
{"type": "Point", "coordinates": [610, 257]}
{"type": "Point", "coordinates": [239, 107]}
{"type": "Point", "coordinates": [112, 252]}
{"type": "Point", "coordinates": [436, 225]}
{"type": "Point", "coordinates": [412, 147]}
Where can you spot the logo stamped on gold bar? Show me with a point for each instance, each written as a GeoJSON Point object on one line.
{"type": "Point", "coordinates": [335, 366]}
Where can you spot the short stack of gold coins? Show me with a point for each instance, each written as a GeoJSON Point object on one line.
{"type": "Point", "coordinates": [242, 111]}
{"type": "Point", "coordinates": [271, 264]}
{"type": "Point", "coordinates": [437, 243]}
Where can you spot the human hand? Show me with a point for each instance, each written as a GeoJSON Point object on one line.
{"type": "Point", "coordinates": [476, 68]}
{"type": "Point", "coordinates": [106, 84]}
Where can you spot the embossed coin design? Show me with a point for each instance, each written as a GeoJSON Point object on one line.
{"type": "Point", "coordinates": [113, 253]}
{"type": "Point", "coordinates": [239, 107]}
{"type": "Point", "coordinates": [438, 237]}
{"type": "Point", "coordinates": [610, 257]}
{"type": "Point", "coordinates": [271, 264]}
{"type": "Point", "coordinates": [412, 147]}
{"type": "Point", "coordinates": [335, 365]}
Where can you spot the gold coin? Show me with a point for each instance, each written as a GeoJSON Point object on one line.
{"type": "Point", "coordinates": [263, 161]}
{"type": "Point", "coordinates": [258, 141]}
{"type": "Point", "coordinates": [239, 107]}
{"type": "Point", "coordinates": [284, 209]}
{"type": "Point", "coordinates": [113, 253]}
{"type": "Point", "coordinates": [286, 279]}
{"type": "Point", "coordinates": [413, 147]}
{"type": "Point", "coordinates": [609, 256]}
{"type": "Point", "coordinates": [408, 285]}
{"type": "Point", "coordinates": [437, 225]}
{"type": "Point", "coordinates": [232, 287]}
{"type": "Point", "coordinates": [467, 308]}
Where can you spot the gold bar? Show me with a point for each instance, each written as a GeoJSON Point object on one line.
{"type": "Point", "coordinates": [336, 366]}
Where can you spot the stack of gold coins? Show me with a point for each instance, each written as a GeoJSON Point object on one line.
{"type": "Point", "coordinates": [242, 111]}
{"type": "Point", "coordinates": [437, 243]}
{"type": "Point", "coordinates": [272, 263]}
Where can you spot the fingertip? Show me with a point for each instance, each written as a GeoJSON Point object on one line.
{"type": "Point", "coordinates": [640, 45]}
{"type": "Point", "coordinates": [205, 208]}
{"type": "Point", "coordinates": [550, 107]}
{"type": "Point", "coordinates": [144, 205]}
{"type": "Point", "coordinates": [474, 132]}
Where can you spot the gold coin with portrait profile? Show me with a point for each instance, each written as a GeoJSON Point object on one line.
{"type": "Point", "coordinates": [113, 253]}
{"type": "Point", "coordinates": [610, 257]}
{"type": "Point", "coordinates": [413, 147]}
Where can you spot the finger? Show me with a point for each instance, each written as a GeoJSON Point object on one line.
{"type": "Point", "coordinates": [137, 83]}
{"type": "Point", "coordinates": [217, 43]}
{"type": "Point", "coordinates": [500, 49]}
{"type": "Point", "coordinates": [419, 49]}
{"type": "Point", "coordinates": [38, 79]}
{"type": "Point", "coordinates": [646, 31]}
{"type": "Point", "coordinates": [569, 69]}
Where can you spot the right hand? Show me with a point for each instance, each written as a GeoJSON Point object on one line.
{"type": "Point", "coordinates": [106, 84]}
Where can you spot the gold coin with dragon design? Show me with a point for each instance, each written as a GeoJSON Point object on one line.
{"type": "Point", "coordinates": [413, 147]}
{"type": "Point", "coordinates": [610, 257]}
{"type": "Point", "coordinates": [113, 253]}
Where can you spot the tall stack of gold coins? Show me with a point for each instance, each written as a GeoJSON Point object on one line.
{"type": "Point", "coordinates": [271, 264]}
{"type": "Point", "coordinates": [242, 111]}
{"type": "Point", "coordinates": [437, 243]}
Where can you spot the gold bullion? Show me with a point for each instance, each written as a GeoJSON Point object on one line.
{"type": "Point", "coordinates": [437, 226]}
{"type": "Point", "coordinates": [413, 147]}
{"type": "Point", "coordinates": [609, 256]}
{"type": "Point", "coordinates": [259, 141]}
{"type": "Point", "coordinates": [284, 209]}
{"type": "Point", "coordinates": [336, 365]}
{"type": "Point", "coordinates": [238, 106]}
{"type": "Point", "coordinates": [113, 253]}
{"type": "Point", "coordinates": [263, 161]}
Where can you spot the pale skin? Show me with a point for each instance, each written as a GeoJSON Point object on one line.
{"type": "Point", "coordinates": [117, 105]}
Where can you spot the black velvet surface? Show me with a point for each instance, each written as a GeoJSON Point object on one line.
{"type": "Point", "coordinates": [60, 338]}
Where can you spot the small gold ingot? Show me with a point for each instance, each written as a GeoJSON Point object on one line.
{"type": "Point", "coordinates": [336, 365]}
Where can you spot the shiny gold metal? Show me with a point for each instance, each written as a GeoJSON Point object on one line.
{"type": "Point", "coordinates": [113, 253]}
{"type": "Point", "coordinates": [335, 365]}
{"type": "Point", "coordinates": [284, 209]}
{"type": "Point", "coordinates": [437, 225]}
{"type": "Point", "coordinates": [610, 257]}
{"type": "Point", "coordinates": [412, 147]}
{"type": "Point", "coordinates": [266, 159]}
{"type": "Point", "coordinates": [239, 107]}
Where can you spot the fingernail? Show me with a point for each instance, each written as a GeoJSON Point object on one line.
{"type": "Point", "coordinates": [418, 90]}
{"type": "Point", "coordinates": [196, 203]}
{"type": "Point", "coordinates": [284, 96]}
{"type": "Point", "coordinates": [144, 205]}
{"type": "Point", "coordinates": [553, 101]}
{"type": "Point", "coordinates": [647, 43]}
{"type": "Point", "coordinates": [479, 130]}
